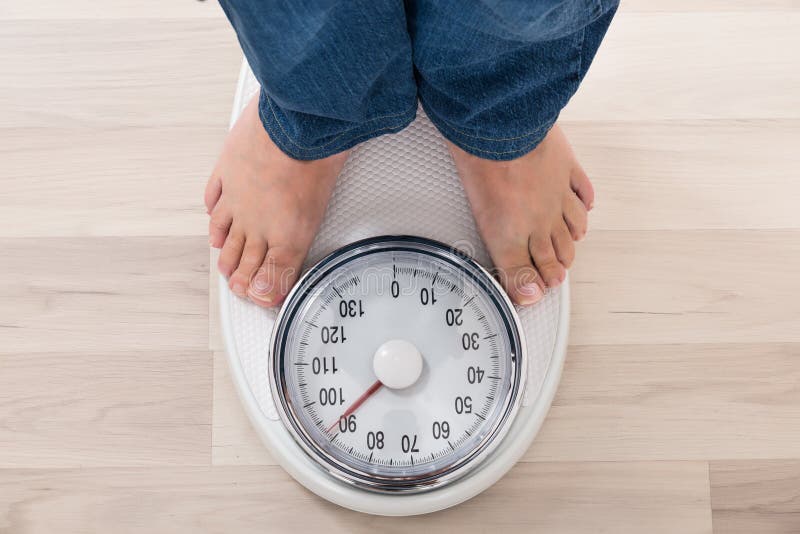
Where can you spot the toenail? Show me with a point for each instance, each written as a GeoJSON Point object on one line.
{"type": "Point", "coordinates": [554, 282]}
{"type": "Point", "coordinates": [532, 291]}
{"type": "Point", "coordinates": [260, 285]}
{"type": "Point", "coordinates": [239, 290]}
{"type": "Point", "coordinates": [263, 299]}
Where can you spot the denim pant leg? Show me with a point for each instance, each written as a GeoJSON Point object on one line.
{"type": "Point", "coordinates": [493, 76]}
{"type": "Point", "coordinates": [333, 74]}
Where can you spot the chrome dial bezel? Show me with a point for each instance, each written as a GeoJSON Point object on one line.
{"type": "Point", "coordinates": [289, 413]}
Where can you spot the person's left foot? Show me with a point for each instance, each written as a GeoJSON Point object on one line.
{"type": "Point", "coordinates": [529, 211]}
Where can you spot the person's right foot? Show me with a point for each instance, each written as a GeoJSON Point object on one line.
{"type": "Point", "coordinates": [265, 210]}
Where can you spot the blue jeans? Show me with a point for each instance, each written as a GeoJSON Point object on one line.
{"type": "Point", "coordinates": [492, 76]}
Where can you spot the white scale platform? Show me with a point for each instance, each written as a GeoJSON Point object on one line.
{"type": "Point", "coordinates": [401, 184]}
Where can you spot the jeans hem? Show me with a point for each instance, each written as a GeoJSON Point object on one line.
{"type": "Point", "coordinates": [343, 141]}
{"type": "Point", "coordinates": [486, 148]}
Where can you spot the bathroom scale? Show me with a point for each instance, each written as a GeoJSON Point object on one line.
{"type": "Point", "coordinates": [397, 378]}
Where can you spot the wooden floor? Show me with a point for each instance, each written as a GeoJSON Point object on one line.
{"type": "Point", "coordinates": [679, 408]}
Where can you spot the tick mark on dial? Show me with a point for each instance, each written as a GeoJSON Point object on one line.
{"type": "Point", "coordinates": [451, 445]}
{"type": "Point", "coordinates": [300, 363]}
{"type": "Point", "coordinates": [370, 456]}
{"type": "Point", "coordinates": [469, 300]}
{"type": "Point", "coordinates": [315, 325]}
{"type": "Point", "coordinates": [490, 336]}
{"type": "Point", "coordinates": [312, 403]}
{"type": "Point", "coordinates": [336, 291]}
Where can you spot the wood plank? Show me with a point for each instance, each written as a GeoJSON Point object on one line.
{"type": "Point", "coordinates": [117, 73]}
{"type": "Point", "coordinates": [122, 9]}
{"type": "Point", "coordinates": [674, 402]}
{"type": "Point", "coordinates": [234, 441]}
{"type": "Point", "coordinates": [716, 65]}
{"type": "Point", "coordinates": [691, 174]}
{"type": "Point", "coordinates": [154, 9]}
{"type": "Point", "coordinates": [565, 498]}
{"type": "Point", "coordinates": [86, 182]}
{"type": "Point", "coordinates": [712, 6]}
{"type": "Point", "coordinates": [756, 496]}
{"type": "Point", "coordinates": [104, 294]}
{"type": "Point", "coordinates": [215, 341]}
{"type": "Point", "coordinates": [105, 408]}
{"type": "Point", "coordinates": [660, 287]}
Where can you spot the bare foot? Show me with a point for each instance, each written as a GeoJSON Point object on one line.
{"type": "Point", "coordinates": [529, 211]}
{"type": "Point", "coordinates": [265, 210]}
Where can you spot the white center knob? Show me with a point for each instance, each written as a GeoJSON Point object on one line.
{"type": "Point", "coordinates": [397, 364]}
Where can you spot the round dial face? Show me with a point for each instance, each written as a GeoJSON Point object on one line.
{"type": "Point", "coordinates": [397, 364]}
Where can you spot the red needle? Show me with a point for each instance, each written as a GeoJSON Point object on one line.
{"type": "Point", "coordinates": [359, 401]}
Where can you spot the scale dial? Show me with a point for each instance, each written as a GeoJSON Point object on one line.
{"type": "Point", "coordinates": [397, 364]}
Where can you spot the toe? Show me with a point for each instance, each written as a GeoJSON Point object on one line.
{"type": "Point", "coordinates": [563, 244]}
{"type": "Point", "coordinates": [276, 276]}
{"type": "Point", "coordinates": [252, 257]}
{"type": "Point", "coordinates": [519, 277]}
{"type": "Point", "coordinates": [545, 259]}
{"type": "Point", "coordinates": [213, 192]}
{"type": "Point", "coordinates": [576, 217]}
{"type": "Point", "coordinates": [582, 186]}
{"type": "Point", "coordinates": [218, 225]}
{"type": "Point", "coordinates": [231, 252]}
